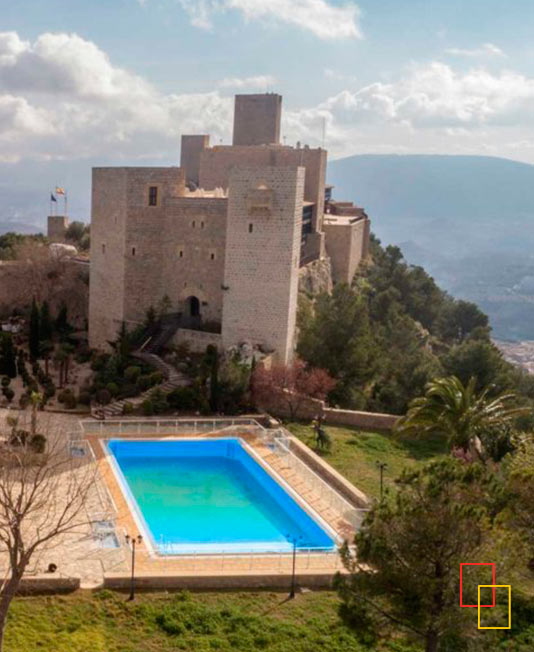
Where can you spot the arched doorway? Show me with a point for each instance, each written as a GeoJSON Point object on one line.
{"type": "Point", "coordinates": [193, 306]}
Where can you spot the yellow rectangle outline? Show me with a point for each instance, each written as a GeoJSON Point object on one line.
{"type": "Point", "coordinates": [496, 586]}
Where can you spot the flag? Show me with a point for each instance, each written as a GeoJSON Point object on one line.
{"type": "Point", "coordinates": [60, 191]}
{"type": "Point", "coordinates": [52, 198]}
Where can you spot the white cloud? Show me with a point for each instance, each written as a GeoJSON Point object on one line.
{"type": "Point", "coordinates": [437, 96]}
{"type": "Point", "coordinates": [261, 82]}
{"type": "Point", "coordinates": [61, 97]}
{"type": "Point", "coordinates": [319, 17]}
{"type": "Point", "coordinates": [488, 49]}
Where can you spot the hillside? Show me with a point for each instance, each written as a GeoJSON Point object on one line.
{"type": "Point", "coordinates": [467, 219]}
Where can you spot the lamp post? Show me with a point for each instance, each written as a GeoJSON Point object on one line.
{"type": "Point", "coordinates": [382, 466]}
{"type": "Point", "coordinates": [133, 541]}
{"type": "Point", "coordinates": [294, 539]}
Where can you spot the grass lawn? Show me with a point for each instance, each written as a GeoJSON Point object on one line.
{"type": "Point", "coordinates": [354, 454]}
{"type": "Point", "coordinates": [158, 622]}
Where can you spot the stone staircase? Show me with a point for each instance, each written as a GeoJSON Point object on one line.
{"type": "Point", "coordinates": [168, 326]}
{"type": "Point", "coordinates": [173, 379]}
{"type": "Point", "coordinates": [148, 353]}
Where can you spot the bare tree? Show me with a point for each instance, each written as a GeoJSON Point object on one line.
{"type": "Point", "coordinates": [291, 385]}
{"type": "Point", "coordinates": [55, 278]}
{"type": "Point", "coordinates": [43, 498]}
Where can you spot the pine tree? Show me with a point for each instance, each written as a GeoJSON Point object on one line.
{"type": "Point", "coordinates": [45, 331]}
{"type": "Point", "coordinates": [34, 331]}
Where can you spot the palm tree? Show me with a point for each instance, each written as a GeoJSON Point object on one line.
{"type": "Point", "coordinates": [458, 413]}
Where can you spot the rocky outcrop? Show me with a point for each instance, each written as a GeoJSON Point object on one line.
{"type": "Point", "coordinates": [316, 277]}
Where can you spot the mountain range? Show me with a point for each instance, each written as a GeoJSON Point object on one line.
{"type": "Point", "coordinates": [468, 220]}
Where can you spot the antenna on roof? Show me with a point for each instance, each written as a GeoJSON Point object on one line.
{"type": "Point", "coordinates": [324, 131]}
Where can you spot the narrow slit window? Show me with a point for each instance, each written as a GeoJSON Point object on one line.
{"type": "Point", "coordinates": [103, 248]}
{"type": "Point", "coordinates": [181, 253]}
{"type": "Point", "coordinates": [250, 228]}
{"type": "Point", "coordinates": [202, 225]}
{"type": "Point", "coordinates": [133, 251]}
{"type": "Point", "coordinates": [212, 256]}
{"type": "Point", "coordinates": [153, 196]}
{"type": "Point", "coordinates": [193, 223]}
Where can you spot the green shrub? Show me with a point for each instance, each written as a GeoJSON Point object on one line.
{"type": "Point", "coordinates": [112, 388]}
{"type": "Point", "coordinates": [127, 408]}
{"type": "Point", "coordinates": [185, 398]}
{"type": "Point", "coordinates": [64, 395]}
{"type": "Point", "coordinates": [23, 438]}
{"type": "Point", "coordinates": [128, 390]}
{"type": "Point", "coordinates": [148, 407]}
{"type": "Point", "coordinates": [5, 381]}
{"type": "Point", "coordinates": [8, 393]}
{"type": "Point", "coordinates": [156, 377]}
{"type": "Point", "coordinates": [49, 390]}
{"type": "Point", "coordinates": [131, 374]}
{"type": "Point", "coordinates": [83, 354]}
{"type": "Point", "coordinates": [71, 402]}
{"type": "Point", "coordinates": [103, 397]}
{"type": "Point", "coordinates": [38, 443]}
{"type": "Point", "coordinates": [159, 401]}
{"type": "Point", "coordinates": [143, 383]}
{"type": "Point", "coordinates": [84, 398]}
{"type": "Point", "coordinates": [99, 361]}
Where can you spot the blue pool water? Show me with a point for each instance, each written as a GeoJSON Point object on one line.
{"type": "Point", "coordinates": [210, 496]}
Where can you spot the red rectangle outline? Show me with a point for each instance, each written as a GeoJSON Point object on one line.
{"type": "Point", "coordinates": [477, 564]}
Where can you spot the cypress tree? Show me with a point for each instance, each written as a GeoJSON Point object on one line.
{"type": "Point", "coordinates": [8, 365]}
{"type": "Point", "coordinates": [45, 331]}
{"type": "Point", "coordinates": [212, 358]}
{"type": "Point", "coordinates": [34, 331]}
{"type": "Point", "coordinates": [62, 324]}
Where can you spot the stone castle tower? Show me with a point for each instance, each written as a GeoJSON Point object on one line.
{"type": "Point", "coordinates": [223, 236]}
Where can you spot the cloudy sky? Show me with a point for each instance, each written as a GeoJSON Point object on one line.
{"type": "Point", "coordinates": [122, 79]}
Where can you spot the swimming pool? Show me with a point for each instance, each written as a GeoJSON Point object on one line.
{"type": "Point", "coordinates": [209, 496]}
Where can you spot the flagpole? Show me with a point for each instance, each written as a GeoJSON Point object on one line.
{"type": "Point", "coordinates": [65, 198]}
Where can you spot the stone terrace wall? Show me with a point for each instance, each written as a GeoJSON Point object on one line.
{"type": "Point", "coordinates": [197, 340]}
{"type": "Point", "coordinates": [309, 408]}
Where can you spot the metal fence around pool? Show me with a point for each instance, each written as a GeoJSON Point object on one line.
{"type": "Point", "coordinates": [277, 440]}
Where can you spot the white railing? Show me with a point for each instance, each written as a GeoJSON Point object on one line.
{"type": "Point", "coordinates": [106, 509]}
{"type": "Point", "coordinates": [165, 426]}
{"type": "Point", "coordinates": [281, 445]}
{"type": "Point", "coordinates": [305, 559]}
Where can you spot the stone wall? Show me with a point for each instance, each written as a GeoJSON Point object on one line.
{"type": "Point", "coordinates": [190, 151]}
{"type": "Point", "coordinates": [108, 228]}
{"type": "Point", "coordinates": [222, 580]}
{"type": "Point", "coordinates": [257, 119]}
{"type": "Point", "coordinates": [57, 227]}
{"type": "Point", "coordinates": [262, 258]}
{"type": "Point", "coordinates": [48, 583]}
{"type": "Point", "coordinates": [192, 254]}
{"type": "Point", "coordinates": [328, 473]}
{"type": "Point", "coordinates": [346, 242]}
{"type": "Point", "coordinates": [140, 253]}
{"type": "Point", "coordinates": [310, 408]}
{"type": "Point", "coordinates": [216, 164]}
{"type": "Point", "coordinates": [197, 340]}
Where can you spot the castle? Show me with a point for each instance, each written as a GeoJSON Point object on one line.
{"type": "Point", "coordinates": [223, 236]}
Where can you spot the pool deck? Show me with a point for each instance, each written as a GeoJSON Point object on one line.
{"type": "Point", "coordinates": [224, 571]}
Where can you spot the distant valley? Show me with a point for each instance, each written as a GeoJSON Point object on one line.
{"type": "Point", "coordinates": [468, 220]}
